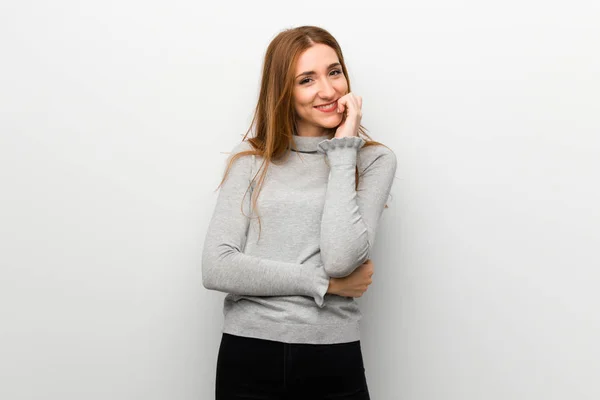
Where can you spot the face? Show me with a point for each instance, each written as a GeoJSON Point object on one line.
{"type": "Point", "coordinates": [318, 81]}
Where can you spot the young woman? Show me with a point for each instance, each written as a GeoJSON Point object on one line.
{"type": "Point", "coordinates": [293, 230]}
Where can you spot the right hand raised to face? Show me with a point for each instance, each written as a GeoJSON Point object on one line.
{"type": "Point", "coordinates": [355, 284]}
{"type": "Point", "coordinates": [350, 105]}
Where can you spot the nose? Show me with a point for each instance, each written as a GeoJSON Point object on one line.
{"type": "Point", "coordinates": [326, 89]}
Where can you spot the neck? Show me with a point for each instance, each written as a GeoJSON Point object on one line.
{"type": "Point", "coordinates": [308, 144]}
{"type": "Point", "coordinates": [312, 130]}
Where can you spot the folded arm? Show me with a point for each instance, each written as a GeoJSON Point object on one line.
{"type": "Point", "coordinates": [227, 269]}
{"type": "Point", "coordinates": [350, 215]}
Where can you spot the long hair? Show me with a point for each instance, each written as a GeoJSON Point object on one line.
{"type": "Point", "coordinates": [274, 118]}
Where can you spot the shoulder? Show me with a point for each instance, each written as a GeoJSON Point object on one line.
{"type": "Point", "coordinates": [244, 145]}
{"type": "Point", "coordinates": [241, 165]}
{"type": "Point", "coordinates": [377, 156]}
{"type": "Point", "coordinates": [239, 148]}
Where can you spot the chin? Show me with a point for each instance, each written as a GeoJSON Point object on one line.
{"type": "Point", "coordinates": [331, 122]}
{"type": "Point", "coordinates": [330, 125]}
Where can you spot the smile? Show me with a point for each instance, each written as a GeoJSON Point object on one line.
{"type": "Point", "coordinates": [327, 107]}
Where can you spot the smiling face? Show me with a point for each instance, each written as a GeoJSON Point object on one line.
{"type": "Point", "coordinates": [319, 80]}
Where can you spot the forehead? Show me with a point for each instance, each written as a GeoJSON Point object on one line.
{"type": "Point", "coordinates": [316, 57]}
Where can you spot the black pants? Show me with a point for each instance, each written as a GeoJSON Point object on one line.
{"type": "Point", "coordinates": [249, 368]}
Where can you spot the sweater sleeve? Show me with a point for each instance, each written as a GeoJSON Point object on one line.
{"type": "Point", "coordinates": [227, 269]}
{"type": "Point", "coordinates": [350, 216]}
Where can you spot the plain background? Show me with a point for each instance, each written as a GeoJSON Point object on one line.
{"type": "Point", "coordinates": [116, 118]}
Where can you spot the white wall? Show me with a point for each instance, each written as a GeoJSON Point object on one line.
{"type": "Point", "coordinates": [114, 117]}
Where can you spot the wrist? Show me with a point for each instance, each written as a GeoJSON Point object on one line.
{"type": "Point", "coordinates": [333, 285]}
{"type": "Point", "coordinates": [341, 151]}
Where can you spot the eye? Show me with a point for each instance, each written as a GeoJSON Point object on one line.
{"type": "Point", "coordinates": [335, 72]}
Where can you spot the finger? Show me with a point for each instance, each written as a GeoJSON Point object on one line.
{"type": "Point", "coordinates": [342, 103]}
{"type": "Point", "coordinates": [352, 100]}
{"type": "Point", "coordinates": [357, 105]}
{"type": "Point", "coordinates": [354, 104]}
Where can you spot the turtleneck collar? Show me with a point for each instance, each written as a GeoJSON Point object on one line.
{"type": "Point", "coordinates": [308, 144]}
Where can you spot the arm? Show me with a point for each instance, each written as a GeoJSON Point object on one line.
{"type": "Point", "coordinates": [350, 216]}
{"type": "Point", "coordinates": [227, 269]}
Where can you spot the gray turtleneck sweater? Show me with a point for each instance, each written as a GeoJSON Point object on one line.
{"type": "Point", "coordinates": [314, 225]}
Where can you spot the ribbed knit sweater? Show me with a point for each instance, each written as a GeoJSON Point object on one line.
{"type": "Point", "coordinates": [314, 225]}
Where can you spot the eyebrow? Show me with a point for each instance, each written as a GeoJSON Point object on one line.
{"type": "Point", "coordinates": [335, 64]}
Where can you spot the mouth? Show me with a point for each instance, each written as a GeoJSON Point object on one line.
{"type": "Point", "coordinates": [329, 107]}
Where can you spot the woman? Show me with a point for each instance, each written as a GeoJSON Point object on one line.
{"type": "Point", "coordinates": [294, 255]}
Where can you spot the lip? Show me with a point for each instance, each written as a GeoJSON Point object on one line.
{"type": "Point", "coordinates": [326, 104]}
{"type": "Point", "coordinates": [333, 103]}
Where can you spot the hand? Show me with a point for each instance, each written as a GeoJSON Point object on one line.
{"type": "Point", "coordinates": [352, 106]}
{"type": "Point", "coordinates": [355, 284]}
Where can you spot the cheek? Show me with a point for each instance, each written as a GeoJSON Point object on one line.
{"type": "Point", "coordinates": [307, 99]}
{"type": "Point", "coordinates": [302, 101]}
{"type": "Point", "coordinates": [342, 86]}
{"type": "Point", "coordinates": [299, 107]}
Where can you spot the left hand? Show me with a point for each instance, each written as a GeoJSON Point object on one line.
{"type": "Point", "coordinates": [351, 106]}
{"type": "Point", "coordinates": [355, 284]}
